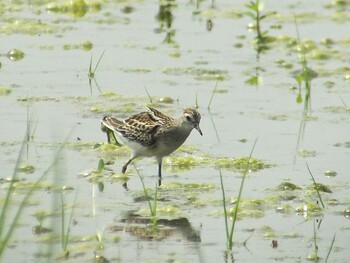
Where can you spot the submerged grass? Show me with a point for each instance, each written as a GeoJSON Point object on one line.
{"type": "Point", "coordinates": [212, 95]}
{"type": "Point", "coordinates": [92, 72]}
{"type": "Point", "coordinates": [316, 188]}
{"type": "Point", "coordinates": [151, 205]}
{"type": "Point", "coordinates": [65, 231]}
{"type": "Point", "coordinates": [230, 230]}
{"type": "Point", "coordinates": [330, 249]}
{"type": "Point", "coordinates": [305, 77]}
{"type": "Point", "coordinates": [8, 225]}
{"type": "Point", "coordinates": [255, 12]}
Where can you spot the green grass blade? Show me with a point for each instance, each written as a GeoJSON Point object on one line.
{"type": "Point", "coordinates": [5, 239]}
{"type": "Point", "coordinates": [90, 68]}
{"type": "Point", "coordinates": [212, 94]}
{"type": "Point", "coordinates": [240, 194]}
{"type": "Point", "coordinates": [7, 199]}
{"type": "Point", "coordinates": [315, 243]}
{"type": "Point", "coordinates": [149, 96]}
{"type": "Point", "coordinates": [224, 204]}
{"type": "Point", "coordinates": [62, 222]}
{"type": "Point", "coordinates": [317, 191]}
{"type": "Point", "coordinates": [154, 209]}
{"type": "Point", "coordinates": [66, 239]}
{"type": "Point", "coordinates": [145, 191]}
{"type": "Point", "coordinates": [330, 249]}
{"type": "Point", "coordinates": [99, 60]}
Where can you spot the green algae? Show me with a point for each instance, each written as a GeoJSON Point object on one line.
{"type": "Point", "coordinates": [318, 187]}
{"type": "Point", "coordinates": [267, 232]}
{"type": "Point", "coordinates": [187, 187]}
{"type": "Point", "coordinates": [4, 91]}
{"type": "Point", "coordinates": [24, 186]}
{"type": "Point", "coordinates": [85, 45]}
{"type": "Point", "coordinates": [136, 70]}
{"type": "Point", "coordinates": [306, 153]}
{"type": "Point", "coordinates": [74, 8]}
{"type": "Point", "coordinates": [15, 54]}
{"type": "Point", "coordinates": [237, 164]}
{"type": "Point", "coordinates": [199, 74]}
{"type": "Point", "coordinates": [287, 186]}
{"type": "Point", "coordinates": [240, 163]}
{"type": "Point", "coordinates": [330, 173]}
{"type": "Point", "coordinates": [182, 162]}
{"type": "Point", "coordinates": [26, 168]}
{"type": "Point", "coordinates": [28, 26]}
{"type": "Point", "coordinates": [34, 99]}
{"type": "Point", "coordinates": [310, 209]}
{"type": "Point", "coordinates": [284, 209]}
{"type": "Point", "coordinates": [166, 100]}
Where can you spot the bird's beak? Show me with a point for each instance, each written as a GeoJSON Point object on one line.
{"type": "Point", "coordinates": [198, 129]}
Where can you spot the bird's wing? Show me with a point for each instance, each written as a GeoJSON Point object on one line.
{"type": "Point", "coordinates": [140, 128]}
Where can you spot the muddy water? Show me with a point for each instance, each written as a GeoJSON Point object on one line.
{"type": "Point", "coordinates": [180, 58]}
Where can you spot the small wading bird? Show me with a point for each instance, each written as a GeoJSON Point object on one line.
{"type": "Point", "coordinates": [152, 133]}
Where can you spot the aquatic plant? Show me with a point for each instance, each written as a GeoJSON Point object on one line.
{"type": "Point", "coordinates": [316, 188]}
{"type": "Point", "coordinates": [151, 205]}
{"type": "Point", "coordinates": [65, 231]}
{"type": "Point", "coordinates": [212, 95]}
{"type": "Point", "coordinates": [330, 249]}
{"type": "Point", "coordinates": [306, 74]}
{"type": "Point", "coordinates": [230, 230]}
{"type": "Point", "coordinates": [8, 223]}
{"type": "Point", "coordinates": [255, 12]}
{"type": "Point", "coordinates": [150, 100]}
{"type": "Point", "coordinates": [92, 72]}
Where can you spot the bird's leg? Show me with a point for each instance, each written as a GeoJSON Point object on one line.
{"type": "Point", "coordinates": [126, 165]}
{"type": "Point", "coordinates": [124, 170]}
{"type": "Point", "coordinates": [159, 160]}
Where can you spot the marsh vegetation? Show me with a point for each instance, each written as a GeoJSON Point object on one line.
{"type": "Point", "coordinates": [267, 181]}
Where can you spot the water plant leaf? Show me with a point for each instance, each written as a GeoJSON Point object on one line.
{"type": "Point", "coordinates": [101, 166]}
{"type": "Point", "coordinates": [299, 98]}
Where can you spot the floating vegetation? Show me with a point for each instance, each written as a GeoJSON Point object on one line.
{"type": "Point", "coordinates": [26, 168]}
{"type": "Point", "coordinates": [240, 163]}
{"type": "Point", "coordinates": [4, 91]}
{"type": "Point", "coordinates": [74, 8]}
{"type": "Point", "coordinates": [347, 213]}
{"type": "Point", "coordinates": [330, 173]}
{"type": "Point", "coordinates": [189, 187]}
{"type": "Point", "coordinates": [166, 100]}
{"type": "Point", "coordinates": [284, 209]}
{"type": "Point", "coordinates": [37, 99]}
{"type": "Point", "coordinates": [344, 144]}
{"type": "Point", "coordinates": [309, 209]}
{"type": "Point", "coordinates": [23, 186]}
{"type": "Point", "coordinates": [136, 70]}
{"type": "Point", "coordinates": [319, 187]}
{"type": "Point", "coordinates": [287, 186]}
{"type": "Point", "coordinates": [112, 149]}
{"type": "Point", "coordinates": [85, 45]}
{"type": "Point", "coordinates": [246, 213]}
{"type": "Point", "coordinates": [183, 162]}
{"type": "Point", "coordinates": [306, 153]}
{"type": "Point", "coordinates": [28, 26]}
{"type": "Point", "coordinates": [15, 54]}
{"type": "Point", "coordinates": [199, 74]}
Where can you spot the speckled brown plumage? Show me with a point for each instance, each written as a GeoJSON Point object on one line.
{"type": "Point", "coordinates": [152, 133]}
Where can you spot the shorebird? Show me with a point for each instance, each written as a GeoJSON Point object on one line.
{"type": "Point", "coordinates": [152, 133]}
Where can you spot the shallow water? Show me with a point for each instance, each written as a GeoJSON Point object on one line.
{"type": "Point", "coordinates": [49, 89]}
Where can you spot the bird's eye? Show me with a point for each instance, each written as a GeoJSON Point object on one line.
{"type": "Point", "coordinates": [188, 118]}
